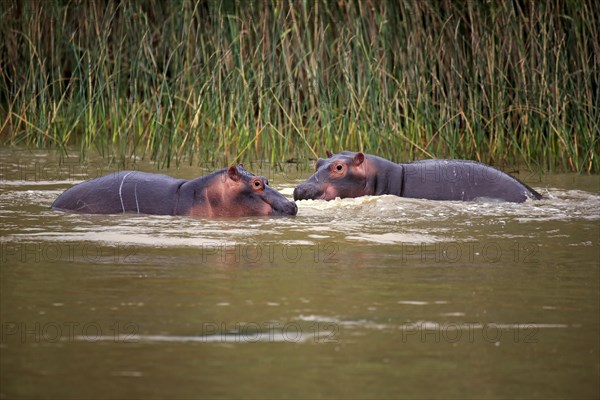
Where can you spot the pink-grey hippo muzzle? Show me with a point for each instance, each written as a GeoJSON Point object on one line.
{"type": "Point", "coordinates": [349, 174]}
{"type": "Point", "coordinates": [230, 192]}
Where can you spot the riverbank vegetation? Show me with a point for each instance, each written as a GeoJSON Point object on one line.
{"type": "Point", "coordinates": [506, 82]}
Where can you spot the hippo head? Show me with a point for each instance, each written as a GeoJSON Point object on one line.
{"type": "Point", "coordinates": [246, 194]}
{"type": "Point", "coordinates": [339, 175]}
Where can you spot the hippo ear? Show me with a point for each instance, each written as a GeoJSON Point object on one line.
{"type": "Point", "coordinates": [233, 173]}
{"type": "Point", "coordinates": [359, 158]}
{"type": "Point", "coordinates": [329, 154]}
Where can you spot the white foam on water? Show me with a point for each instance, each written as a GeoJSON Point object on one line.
{"type": "Point", "coordinates": [393, 237]}
{"type": "Point", "coordinates": [341, 322]}
{"type": "Point", "coordinates": [413, 302]}
{"type": "Point", "coordinates": [114, 237]}
{"type": "Point", "coordinates": [251, 337]}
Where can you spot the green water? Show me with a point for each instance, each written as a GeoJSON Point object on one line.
{"type": "Point", "coordinates": [357, 298]}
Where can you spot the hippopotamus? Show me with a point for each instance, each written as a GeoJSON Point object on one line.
{"type": "Point", "coordinates": [350, 174]}
{"type": "Point", "coordinates": [230, 192]}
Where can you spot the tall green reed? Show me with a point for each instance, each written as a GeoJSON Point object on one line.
{"type": "Point", "coordinates": [499, 82]}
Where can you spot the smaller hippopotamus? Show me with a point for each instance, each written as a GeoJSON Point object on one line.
{"type": "Point", "coordinates": [230, 192]}
{"type": "Point", "coordinates": [349, 174]}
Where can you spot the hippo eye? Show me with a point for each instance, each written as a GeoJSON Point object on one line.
{"type": "Point", "coordinates": [257, 184]}
{"type": "Point", "coordinates": [338, 169]}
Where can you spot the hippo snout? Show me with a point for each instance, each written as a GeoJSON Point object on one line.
{"type": "Point", "coordinates": [307, 191]}
{"type": "Point", "coordinates": [298, 193]}
{"type": "Point", "coordinates": [287, 208]}
{"type": "Point", "coordinates": [293, 208]}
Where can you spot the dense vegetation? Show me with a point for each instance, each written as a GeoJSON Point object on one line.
{"type": "Point", "coordinates": [503, 82]}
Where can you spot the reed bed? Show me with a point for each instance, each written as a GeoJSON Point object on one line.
{"type": "Point", "coordinates": [507, 82]}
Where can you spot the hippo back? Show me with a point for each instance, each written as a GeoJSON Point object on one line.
{"type": "Point", "coordinates": [462, 180]}
{"type": "Point", "coordinates": [123, 192]}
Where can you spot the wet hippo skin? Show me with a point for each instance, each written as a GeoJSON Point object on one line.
{"type": "Point", "coordinates": [230, 192]}
{"type": "Point", "coordinates": [350, 174]}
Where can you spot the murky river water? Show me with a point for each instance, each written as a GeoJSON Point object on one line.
{"type": "Point", "coordinates": [358, 298]}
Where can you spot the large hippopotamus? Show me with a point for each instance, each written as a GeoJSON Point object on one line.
{"type": "Point", "coordinates": [350, 174]}
{"type": "Point", "coordinates": [230, 192]}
